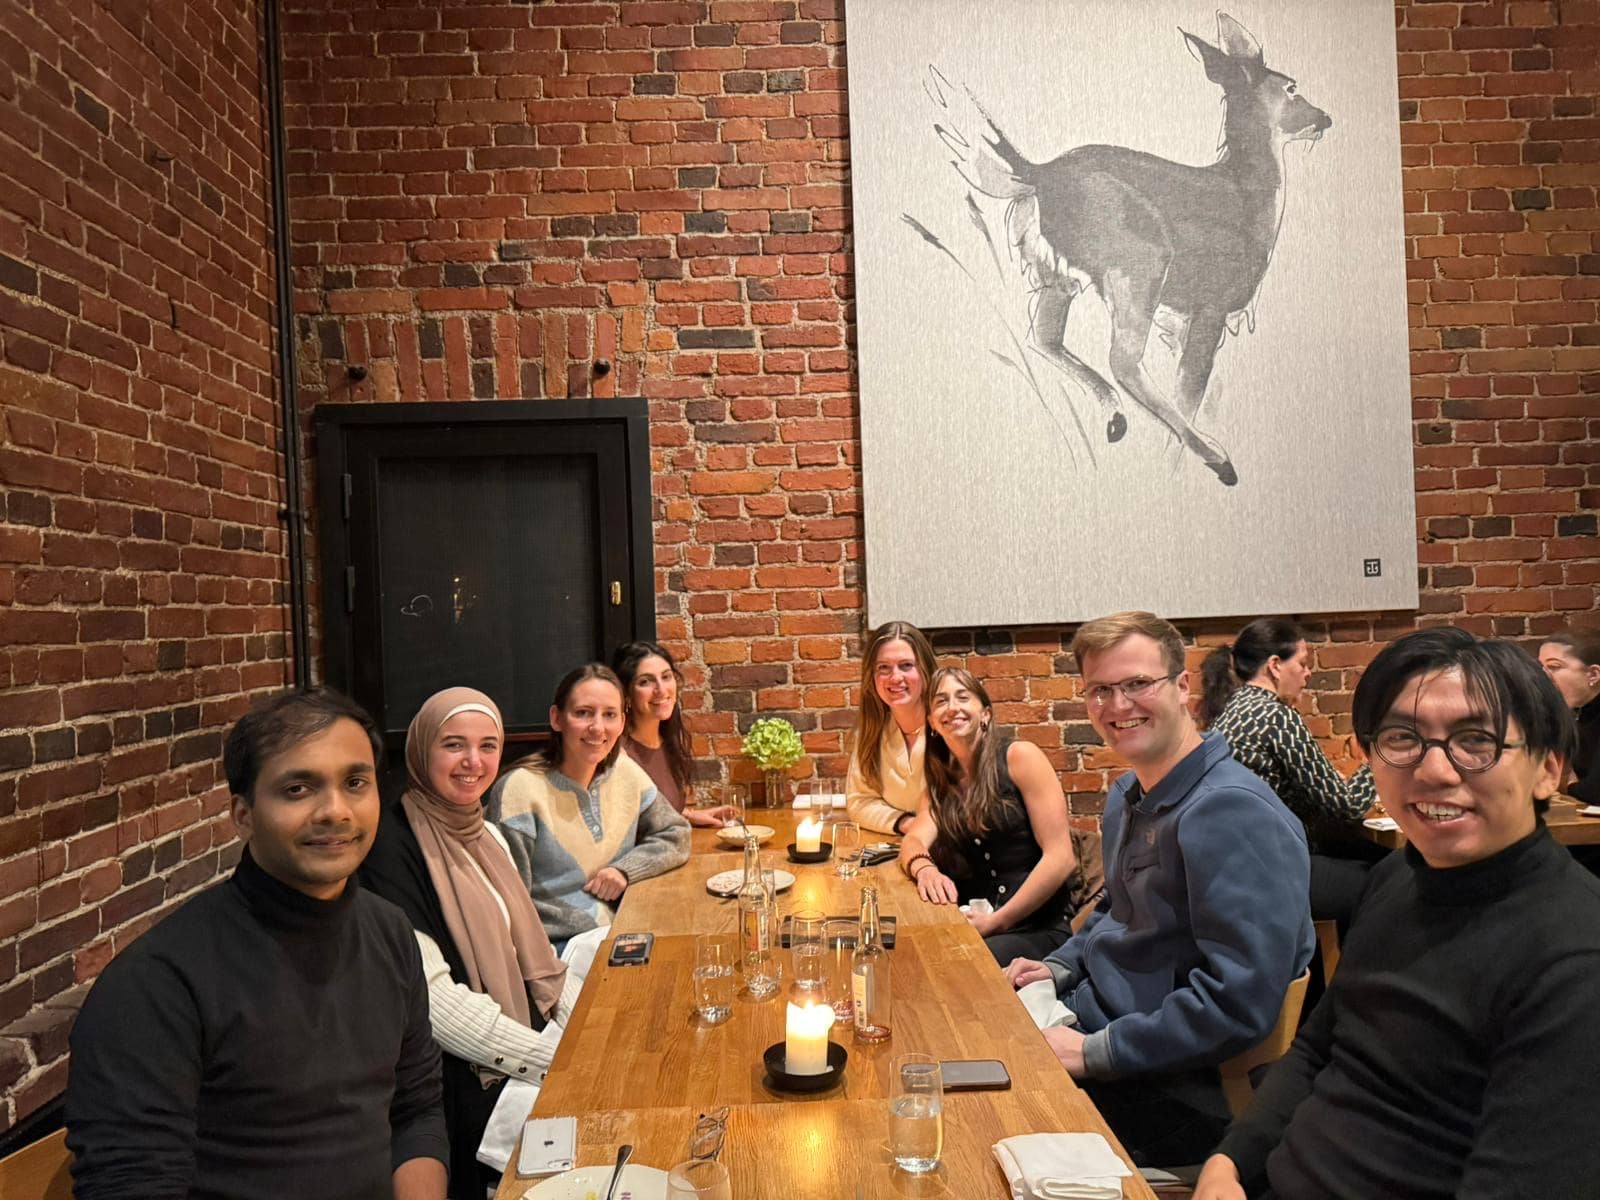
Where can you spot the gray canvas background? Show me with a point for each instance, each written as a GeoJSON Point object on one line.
{"type": "Point", "coordinates": [984, 506]}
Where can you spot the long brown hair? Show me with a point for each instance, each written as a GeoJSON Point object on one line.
{"type": "Point", "coordinates": [873, 715]}
{"type": "Point", "coordinates": [965, 808]}
{"type": "Point", "coordinates": [674, 737]}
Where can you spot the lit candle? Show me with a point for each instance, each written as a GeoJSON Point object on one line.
{"type": "Point", "coordinates": [805, 1041]}
{"type": "Point", "coordinates": [808, 836]}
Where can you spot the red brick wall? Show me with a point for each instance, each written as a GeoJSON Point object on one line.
{"type": "Point", "coordinates": [490, 196]}
{"type": "Point", "coordinates": [140, 554]}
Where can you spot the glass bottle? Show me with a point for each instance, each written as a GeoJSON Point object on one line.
{"type": "Point", "coordinates": [869, 973]}
{"type": "Point", "coordinates": [755, 926]}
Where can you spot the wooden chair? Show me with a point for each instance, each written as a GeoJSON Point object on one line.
{"type": "Point", "coordinates": [1328, 946]}
{"type": "Point", "coordinates": [38, 1171]}
{"type": "Point", "coordinates": [1235, 1073]}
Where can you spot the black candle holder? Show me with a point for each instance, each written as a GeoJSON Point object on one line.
{"type": "Point", "coordinates": [821, 854]}
{"type": "Point", "coordinates": [775, 1059]}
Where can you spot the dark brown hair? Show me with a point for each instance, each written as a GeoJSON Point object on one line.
{"type": "Point", "coordinates": [965, 808]}
{"type": "Point", "coordinates": [674, 736]}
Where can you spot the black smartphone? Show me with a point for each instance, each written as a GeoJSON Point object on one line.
{"type": "Point", "coordinates": [631, 949]}
{"type": "Point", "coordinates": [976, 1075]}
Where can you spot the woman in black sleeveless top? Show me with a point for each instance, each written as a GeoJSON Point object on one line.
{"type": "Point", "coordinates": [995, 828]}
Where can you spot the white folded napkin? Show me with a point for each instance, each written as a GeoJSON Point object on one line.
{"type": "Point", "coordinates": [802, 801]}
{"type": "Point", "coordinates": [1384, 824]}
{"type": "Point", "coordinates": [1061, 1166]}
{"type": "Point", "coordinates": [1044, 1006]}
{"type": "Point", "coordinates": [579, 951]}
{"type": "Point", "coordinates": [505, 1123]}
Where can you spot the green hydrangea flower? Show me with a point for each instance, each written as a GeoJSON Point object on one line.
{"type": "Point", "coordinates": [773, 744]}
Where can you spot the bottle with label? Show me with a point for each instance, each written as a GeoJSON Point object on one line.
{"type": "Point", "coordinates": [869, 973]}
{"type": "Point", "coordinates": [755, 926]}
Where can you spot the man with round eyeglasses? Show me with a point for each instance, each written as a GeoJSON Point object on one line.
{"type": "Point", "coordinates": [1443, 1060]}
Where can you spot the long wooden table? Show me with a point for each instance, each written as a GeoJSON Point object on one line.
{"type": "Point", "coordinates": [1564, 820]}
{"type": "Point", "coordinates": [637, 1065]}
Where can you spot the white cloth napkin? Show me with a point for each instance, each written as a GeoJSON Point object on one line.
{"type": "Point", "coordinates": [1383, 824]}
{"type": "Point", "coordinates": [1061, 1166]}
{"type": "Point", "coordinates": [505, 1123]}
{"type": "Point", "coordinates": [1044, 1006]}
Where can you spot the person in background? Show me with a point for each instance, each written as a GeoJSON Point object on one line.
{"type": "Point", "coordinates": [655, 736]}
{"type": "Point", "coordinates": [498, 997]}
{"type": "Point", "coordinates": [886, 784]}
{"type": "Point", "coordinates": [1206, 919]}
{"type": "Point", "coordinates": [1443, 1061]}
{"type": "Point", "coordinates": [1250, 688]}
{"type": "Point", "coordinates": [995, 827]}
{"type": "Point", "coordinates": [1572, 660]}
{"type": "Point", "coordinates": [269, 1038]}
{"type": "Point", "coordinates": [582, 819]}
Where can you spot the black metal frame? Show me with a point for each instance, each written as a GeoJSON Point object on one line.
{"type": "Point", "coordinates": [334, 427]}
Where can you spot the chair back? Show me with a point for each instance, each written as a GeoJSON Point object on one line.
{"type": "Point", "coordinates": [38, 1171]}
{"type": "Point", "coordinates": [1235, 1073]}
{"type": "Point", "coordinates": [1328, 945]}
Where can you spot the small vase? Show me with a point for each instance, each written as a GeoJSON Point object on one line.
{"type": "Point", "coordinates": [776, 786]}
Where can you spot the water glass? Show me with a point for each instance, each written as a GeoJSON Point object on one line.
{"type": "Point", "coordinates": [916, 1113]}
{"type": "Point", "coordinates": [701, 1179]}
{"type": "Point", "coordinates": [838, 946]}
{"type": "Point", "coordinates": [846, 848]}
{"type": "Point", "coordinates": [714, 977]}
{"type": "Point", "coordinates": [805, 945]}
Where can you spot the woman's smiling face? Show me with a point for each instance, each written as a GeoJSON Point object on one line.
{"type": "Point", "coordinates": [896, 677]}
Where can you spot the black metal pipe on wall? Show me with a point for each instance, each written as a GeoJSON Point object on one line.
{"type": "Point", "coordinates": [292, 513]}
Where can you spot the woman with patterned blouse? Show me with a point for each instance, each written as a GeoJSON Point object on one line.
{"type": "Point", "coordinates": [1249, 692]}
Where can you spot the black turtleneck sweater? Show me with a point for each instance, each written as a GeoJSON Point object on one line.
{"type": "Point", "coordinates": [257, 1044]}
{"type": "Point", "coordinates": [1454, 1053]}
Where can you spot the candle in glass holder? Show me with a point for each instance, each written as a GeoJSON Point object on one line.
{"type": "Point", "coordinates": [805, 1041]}
{"type": "Point", "coordinates": [808, 836]}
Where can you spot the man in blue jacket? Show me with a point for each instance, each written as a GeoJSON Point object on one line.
{"type": "Point", "coordinates": [1206, 917]}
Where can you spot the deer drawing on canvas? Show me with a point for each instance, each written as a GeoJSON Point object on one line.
{"type": "Point", "coordinates": [1175, 248]}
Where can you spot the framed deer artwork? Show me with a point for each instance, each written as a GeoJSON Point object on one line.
{"type": "Point", "coordinates": [1131, 309]}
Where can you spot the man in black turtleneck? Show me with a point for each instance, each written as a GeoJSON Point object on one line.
{"type": "Point", "coordinates": [1451, 1056]}
{"type": "Point", "coordinates": [270, 1038]}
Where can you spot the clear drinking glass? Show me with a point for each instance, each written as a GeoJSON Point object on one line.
{"type": "Point", "coordinates": [701, 1179]}
{"type": "Point", "coordinates": [846, 848]}
{"type": "Point", "coordinates": [714, 977]}
{"type": "Point", "coordinates": [916, 1113]}
{"type": "Point", "coordinates": [838, 945]}
{"type": "Point", "coordinates": [805, 945]}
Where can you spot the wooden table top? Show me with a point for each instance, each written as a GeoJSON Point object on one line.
{"type": "Point", "coordinates": [637, 1065]}
{"type": "Point", "coordinates": [1566, 824]}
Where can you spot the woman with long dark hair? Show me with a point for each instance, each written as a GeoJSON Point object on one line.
{"type": "Point", "coordinates": [498, 997]}
{"type": "Point", "coordinates": [1249, 692]}
{"type": "Point", "coordinates": [886, 785]}
{"type": "Point", "coordinates": [583, 820]}
{"type": "Point", "coordinates": [655, 736]}
{"type": "Point", "coordinates": [995, 828]}
{"type": "Point", "coordinates": [1572, 660]}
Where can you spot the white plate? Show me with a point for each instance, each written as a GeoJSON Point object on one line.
{"type": "Point", "coordinates": [1383, 824]}
{"type": "Point", "coordinates": [737, 833]}
{"type": "Point", "coordinates": [589, 1183]}
{"type": "Point", "coordinates": [727, 883]}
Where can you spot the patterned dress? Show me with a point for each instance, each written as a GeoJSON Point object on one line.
{"type": "Point", "coordinates": [1271, 738]}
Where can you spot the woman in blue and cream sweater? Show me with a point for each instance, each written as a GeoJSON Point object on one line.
{"type": "Point", "coordinates": [583, 820]}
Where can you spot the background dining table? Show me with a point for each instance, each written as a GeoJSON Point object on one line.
{"type": "Point", "coordinates": [1565, 820]}
{"type": "Point", "coordinates": [637, 1065]}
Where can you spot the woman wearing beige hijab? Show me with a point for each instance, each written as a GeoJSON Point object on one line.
{"type": "Point", "coordinates": [498, 995]}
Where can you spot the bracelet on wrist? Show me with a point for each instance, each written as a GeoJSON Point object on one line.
{"type": "Point", "coordinates": [911, 864]}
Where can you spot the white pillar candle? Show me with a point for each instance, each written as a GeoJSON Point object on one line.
{"type": "Point", "coordinates": [805, 1042]}
{"type": "Point", "coordinates": [808, 836]}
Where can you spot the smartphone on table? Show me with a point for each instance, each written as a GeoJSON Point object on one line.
{"type": "Point", "coordinates": [631, 949]}
{"type": "Point", "coordinates": [975, 1075]}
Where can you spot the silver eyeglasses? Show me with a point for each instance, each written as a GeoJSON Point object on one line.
{"type": "Point", "coordinates": [1137, 688]}
{"type": "Point", "coordinates": [1469, 750]}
